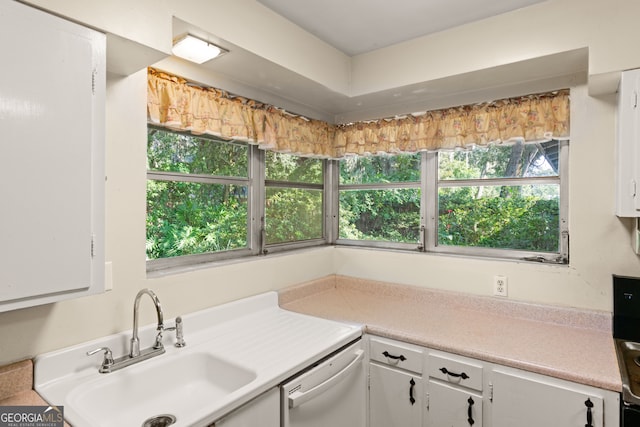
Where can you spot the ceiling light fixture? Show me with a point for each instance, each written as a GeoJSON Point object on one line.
{"type": "Point", "coordinates": [195, 49]}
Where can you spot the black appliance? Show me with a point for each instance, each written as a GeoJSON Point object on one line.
{"type": "Point", "coordinates": [626, 334]}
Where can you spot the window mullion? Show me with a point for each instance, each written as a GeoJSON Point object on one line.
{"type": "Point", "coordinates": [202, 179]}
{"type": "Point", "coordinates": [430, 198]}
{"type": "Point", "coordinates": [564, 201]}
{"type": "Point", "coordinates": [486, 182]}
{"type": "Point", "coordinates": [380, 186]}
{"type": "Point", "coordinates": [332, 201]}
{"type": "Point", "coordinates": [255, 222]}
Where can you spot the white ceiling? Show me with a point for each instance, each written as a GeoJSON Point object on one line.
{"type": "Point", "coordinates": [359, 26]}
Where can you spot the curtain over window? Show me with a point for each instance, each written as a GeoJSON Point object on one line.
{"type": "Point", "coordinates": [174, 103]}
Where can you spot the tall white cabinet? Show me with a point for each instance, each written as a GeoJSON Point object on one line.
{"type": "Point", "coordinates": [52, 98]}
{"type": "Point", "coordinates": [628, 146]}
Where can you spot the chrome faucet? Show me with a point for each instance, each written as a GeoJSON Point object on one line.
{"type": "Point", "coordinates": [109, 364]}
{"type": "Point", "coordinates": [135, 341]}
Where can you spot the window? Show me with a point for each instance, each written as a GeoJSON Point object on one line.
{"type": "Point", "coordinates": [211, 199]}
{"type": "Point", "coordinates": [197, 195]}
{"type": "Point", "coordinates": [501, 201]}
{"type": "Point", "coordinates": [294, 199]}
{"type": "Point", "coordinates": [379, 199]}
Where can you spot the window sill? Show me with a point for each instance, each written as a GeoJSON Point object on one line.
{"type": "Point", "coordinates": [185, 269]}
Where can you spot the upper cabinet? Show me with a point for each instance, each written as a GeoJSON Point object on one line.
{"type": "Point", "coordinates": [52, 179]}
{"type": "Point", "coordinates": [628, 146]}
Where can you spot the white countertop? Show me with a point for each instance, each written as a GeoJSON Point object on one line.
{"type": "Point", "coordinates": [254, 333]}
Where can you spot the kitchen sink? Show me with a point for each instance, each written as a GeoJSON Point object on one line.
{"type": "Point", "coordinates": [629, 360]}
{"type": "Point", "coordinates": [176, 387]}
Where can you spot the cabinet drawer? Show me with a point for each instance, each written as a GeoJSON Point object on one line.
{"type": "Point", "coordinates": [396, 354]}
{"type": "Point", "coordinates": [455, 371]}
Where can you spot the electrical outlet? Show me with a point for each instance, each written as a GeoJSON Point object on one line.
{"type": "Point", "coordinates": [500, 286]}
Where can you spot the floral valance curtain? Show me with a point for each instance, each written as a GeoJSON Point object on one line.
{"type": "Point", "coordinates": [531, 118]}
{"type": "Point", "coordinates": [174, 103]}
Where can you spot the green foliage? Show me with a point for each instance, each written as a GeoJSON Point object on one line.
{"type": "Point", "coordinates": [523, 222]}
{"type": "Point", "coordinates": [289, 168]}
{"type": "Point", "coordinates": [380, 169]}
{"type": "Point", "coordinates": [506, 217]}
{"type": "Point", "coordinates": [187, 218]}
{"type": "Point", "coordinates": [389, 215]}
{"type": "Point", "coordinates": [191, 217]}
{"type": "Point", "coordinates": [293, 214]}
{"type": "Point", "coordinates": [175, 152]}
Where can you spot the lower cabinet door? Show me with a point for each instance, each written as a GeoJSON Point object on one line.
{"type": "Point", "coordinates": [395, 398]}
{"type": "Point", "coordinates": [524, 400]}
{"type": "Point", "coordinates": [453, 407]}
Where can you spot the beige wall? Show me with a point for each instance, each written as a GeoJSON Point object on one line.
{"type": "Point", "coordinates": [600, 242]}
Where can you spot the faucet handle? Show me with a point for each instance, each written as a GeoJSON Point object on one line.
{"type": "Point", "coordinates": [107, 362]}
{"type": "Point", "coordinates": [179, 334]}
{"type": "Point", "coordinates": [158, 343]}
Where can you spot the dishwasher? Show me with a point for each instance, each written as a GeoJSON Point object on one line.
{"type": "Point", "coordinates": [331, 393]}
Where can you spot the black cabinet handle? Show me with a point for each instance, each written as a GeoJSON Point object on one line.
{"type": "Point", "coordinates": [391, 356]}
{"type": "Point", "coordinates": [453, 374]}
{"type": "Point", "coordinates": [411, 386]}
{"type": "Point", "coordinates": [469, 412]}
{"type": "Point", "coordinates": [589, 404]}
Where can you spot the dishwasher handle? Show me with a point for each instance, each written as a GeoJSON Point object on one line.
{"type": "Point", "coordinates": [298, 398]}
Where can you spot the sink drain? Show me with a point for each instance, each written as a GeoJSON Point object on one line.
{"type": "Point", "coordinates": [160, 421]}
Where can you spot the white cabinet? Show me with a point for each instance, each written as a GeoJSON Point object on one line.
{"type": "Point", "coordinates": [263, 411]}
{"type": "Point", "coordinates": [396, 388]}
{"type": "Point", "coordinates": [452, 406]}
{"type": "Point", "coordinates": [52, 95]}
{"type": "Point", "coordinates": [628, 146]}
{"type": "Point", "coordinates": [457, 391]}
{"type": "Point", "coordinates": [527, 400]}
{"type": "Point", "coordinates": [395, 398]}
{"type": "Point", "coordinates": [454, 391]}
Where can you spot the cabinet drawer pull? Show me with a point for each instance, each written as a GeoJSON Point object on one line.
{"type": "Point", "coordinates": [391, 356]}
{"type": "Point", "coordinates": [589, 404]}
{"type": "Point", "coordinates": [411, 386]}
{"type": "Point", "coordinates": [469, 412]}
{"type": "Point", "coordinates": [453, 374]}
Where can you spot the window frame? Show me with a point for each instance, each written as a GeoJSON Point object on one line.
{"type": "Point", "coordinates": [299, 244]}
{"type": "Point", "coordinates": [381, 244]}
{"type": "Point", "coordinates": [429, 185]}
{"type": "Point", "coordinates": [431, 200]}
{"type": "Point", "coordinates": [256, 184]}
{"type": "Point", "coordinates": [252, 184]}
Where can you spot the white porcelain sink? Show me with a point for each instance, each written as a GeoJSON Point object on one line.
{"type": "Point", "coordinates": [179, 386]}
{"type": "Point", "coordinates": [235, 352]}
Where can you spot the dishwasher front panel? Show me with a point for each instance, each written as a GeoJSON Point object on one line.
{"type": "Point", "coordinates": [332, 394]}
